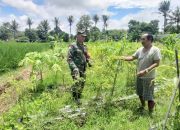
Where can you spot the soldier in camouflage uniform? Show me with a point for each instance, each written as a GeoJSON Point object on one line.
{"type": "Point", "coordinates": [78, 58]}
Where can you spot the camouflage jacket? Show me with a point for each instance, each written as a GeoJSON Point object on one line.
{"type": "Point", "coordinates": [78, 56]}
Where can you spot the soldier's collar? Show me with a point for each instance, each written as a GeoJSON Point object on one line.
{"type": "Point", "coordinates": [79, 43]}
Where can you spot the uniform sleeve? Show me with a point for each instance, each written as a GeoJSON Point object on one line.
{"type": "Point", "coordinates": [86, 54]}
{"type": "Point", "coordinates": [136, 54]}
{"type": "Point", "coordinates": [157, 55]}
{"type": "Point", "coordinates": [70, 61]}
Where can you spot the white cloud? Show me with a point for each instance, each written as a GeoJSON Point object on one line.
{"type": "Point", "coordinates": [104, 3]}
{"type": "Point", "coordinates": [26, 5]}
{"type": "Point", "coordinates": [143, 16]}
{"type": "Point", "coordinates": [21, 20]}
{"type": "Point", "coordinates": [64, 8]}
{"type": "Point", "coordinates": [78, 4]}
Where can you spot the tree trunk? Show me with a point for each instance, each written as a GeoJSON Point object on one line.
{"type": "Point", "coordinates": [165, 22]}
{"type": "Point", "coordinates": [14, 34]}
{"type": "Point", "coordinates": [70, 34]}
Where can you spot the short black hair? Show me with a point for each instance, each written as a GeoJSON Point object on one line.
{"type": "Point", "coordinates": [150, 37]}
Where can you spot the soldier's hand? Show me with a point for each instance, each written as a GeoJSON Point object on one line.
{"type": "Point", "coordinates": [76, 73]}
{"type": "Point", "coordinates": [89, 64]}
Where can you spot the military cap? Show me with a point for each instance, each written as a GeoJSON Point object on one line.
{"type": "Point", "coordinates": [81, 32]}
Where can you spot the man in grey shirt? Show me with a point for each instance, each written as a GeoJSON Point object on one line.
{"type": "Point", "coordinates": [148, 58]}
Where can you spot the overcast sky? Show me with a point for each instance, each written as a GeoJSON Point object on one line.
{"type": "Point", "coordinates": [119, 11]}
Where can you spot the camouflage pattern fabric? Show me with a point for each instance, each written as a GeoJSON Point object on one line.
{"type": "Point", "coordinates": [78, 58]}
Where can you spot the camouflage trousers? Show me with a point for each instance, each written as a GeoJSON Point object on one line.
{"type": "Point", "coordinates": [78, 85]}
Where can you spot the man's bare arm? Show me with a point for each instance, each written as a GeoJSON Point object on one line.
{"type": "Point", "coordinates": [154, 65]}
{"type": "Point", "coordinates": [128, 58]}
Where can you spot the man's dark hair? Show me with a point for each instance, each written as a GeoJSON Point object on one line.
{"type": "Point", "coordinates": [150, 37]}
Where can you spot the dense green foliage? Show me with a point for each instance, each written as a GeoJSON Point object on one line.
{"type": "Point", "coordinates": [39, 104]}
{"type": "Point", "coordinates": [12, 53]}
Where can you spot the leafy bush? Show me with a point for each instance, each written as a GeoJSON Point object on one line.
{"type": "Point", "coordinates": [22, 39]}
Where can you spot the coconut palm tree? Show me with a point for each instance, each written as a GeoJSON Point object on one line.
{"type": "Point", "coordinates": [95, 19]}
{"type": "Point", "coordinates": [164, 8]}
{"type": "Point", "coordinates": [29, 22]}
{"type": "Point", "coordinates": [175, 17]}
{"type": "Point", "coordinates": [14, 27]}
{"type": "Point", "coordinates": [105, 18]}
{"type": "Point", "coordinates": [70, 20]}
{"type": "Point", "coordinates": [56, 24]}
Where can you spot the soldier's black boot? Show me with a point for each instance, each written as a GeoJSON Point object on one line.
{"type": "Point", "coordinates": [78, 100]}
{"type": "Point", "coordinates": [74, 95]}
{"type": "Point", "coordinates": [79, 95]}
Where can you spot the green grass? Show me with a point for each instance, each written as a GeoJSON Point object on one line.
{"type": "Point", "coordinates": [38, 110]}
{"type": "Point", "coordinates": [11, 53]}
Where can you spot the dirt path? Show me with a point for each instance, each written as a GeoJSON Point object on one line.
{"type": "Point", "coordinates": [8, 93]}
